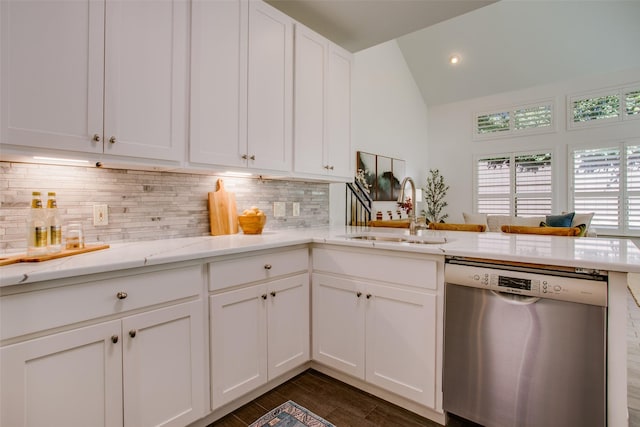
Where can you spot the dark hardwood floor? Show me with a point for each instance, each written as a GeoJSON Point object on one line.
{"type": "Point", "coordinates": [346, 406]}
{"type": "Point", "coordinates": [335, 401]}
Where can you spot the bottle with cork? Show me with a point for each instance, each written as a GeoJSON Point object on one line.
{"type": "Point", "coordinates": [37, 236]}
{"type": "Point", "coordinates": [54, 224]}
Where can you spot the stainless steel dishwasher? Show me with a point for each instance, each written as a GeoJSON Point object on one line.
{"type": "Point", "coordinates": [524, 346]}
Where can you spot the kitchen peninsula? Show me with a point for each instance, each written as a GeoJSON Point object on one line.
{"type": "Point", "coordinates": [106, 311]}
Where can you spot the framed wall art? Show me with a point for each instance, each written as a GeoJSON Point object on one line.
{"type": "Point", "coordinates": [382, 174]}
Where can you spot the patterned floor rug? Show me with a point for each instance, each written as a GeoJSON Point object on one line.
{"type": "Point", "coordinates": [290, 414]}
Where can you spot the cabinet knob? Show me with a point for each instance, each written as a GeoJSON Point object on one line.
{"type": "Point", "coordinates": [121, 295]}
{"type": "Point", "coordinates": [358, 294]}
{"type": "Point", "coordinates": [368, 296]}
{"type": "Point", "coordinates": [267, 266]}
{"type": "Point", "coordinates": [264, 296]}
{"type": "Point", "coordinates": [245, 157]}
{"type": "Point", "coordinates": [114, 339]}
{"type": "Point", "coordinates": [96, 137]}
{"type": "Point", "coordinates": [273, 294]}
{"type": "Point", "coordinates": [330, 168]}
{"type": "Point", "coordinates": [252, 157]}
{"type": "Point", "coordinates": [112, 140]}
{"type": "Point", "coordinates": [132, 333]}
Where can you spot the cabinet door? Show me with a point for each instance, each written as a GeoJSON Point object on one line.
{"type": "Point", "coordinates": [164, 366]}
{"type": "Point", "coordinates": [270, 86]}
{"type": "Point", "coordinates": [401, 342]}
{"type": "Point", "coordinates": [338, 139]}
{"type": "Point", "coordinates": [71, 379]}
{"type": "Point", "coordinates": [218, 82]}
{"type": "Point", "coordinates": [288, 324]}
{"type": "Point", "coordinates": [238, 343]}
{"type": "Point", "coordinates": [146, 50]}
{"type": "Point", "coordinates": [52, 74]}
{"type": "Point", "coordinates": [338, 323]}
{"type": "Point", "coordinates": [311, 52]}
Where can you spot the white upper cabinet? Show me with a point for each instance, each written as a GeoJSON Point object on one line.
{"type": "Point", "coordinates": [146, 78]}
{"type": "Point", "coordinates": [95, 76]}
{"type": "Point", "coordinates": [241, 85]}
{"type": "Point", "coordinates": [52, 74]}
{"type": "Point", "coordinates": [322, 125]}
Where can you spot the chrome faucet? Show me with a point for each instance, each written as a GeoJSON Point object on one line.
{"type": "Point", "coordinates": [401, 197]}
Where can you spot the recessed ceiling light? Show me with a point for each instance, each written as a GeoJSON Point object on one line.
{"type": "Point", "coordinates": [454, 59]}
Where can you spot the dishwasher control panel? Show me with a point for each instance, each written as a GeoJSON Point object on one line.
{"type": "Point", "coordinates": [543, 285]}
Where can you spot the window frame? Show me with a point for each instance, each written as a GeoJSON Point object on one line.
{"type": "Point", "coordinates": [619, 91]}
{"type": "Point", "coordinates": [623, 192]}
{"type": "Point", "coordinates": [511, 110]}
{"type": "Point", "coordinates": [513, 195]}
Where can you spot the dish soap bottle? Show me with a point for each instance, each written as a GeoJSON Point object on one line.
{"type": "Point", "coordinates": [36, 227]}
{"type": "Point", "coordinates": [54, 223]}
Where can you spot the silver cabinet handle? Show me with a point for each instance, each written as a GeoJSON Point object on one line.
{"type": "Point", "coordinates": [114, 339]}
{"type": "Point", "coordinates": [121, 295]}
{"type": "Point", "coordinates": [112, 140]}
{"type": "Point", "coordinates": [96, 137]}
{"type": "Point", "coordinates": [267, 266]}
{"type": "Point", "coordinates": [132, 333]}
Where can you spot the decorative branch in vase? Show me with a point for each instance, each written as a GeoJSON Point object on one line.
{"type": "Point", "coordinates": [434, 197]}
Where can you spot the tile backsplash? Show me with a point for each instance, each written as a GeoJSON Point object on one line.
{"type": "Point", "coordinates": [145, 205]}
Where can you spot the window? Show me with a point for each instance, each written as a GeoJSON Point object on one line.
{"type": "Point", "coordinates": [514, 121]}
{"type": "Point", "coordinates": [609, 106]}
{"type": "Point", "coordinates": [606, 181]}
{"type": "Point", "coordinates": [514, 184]}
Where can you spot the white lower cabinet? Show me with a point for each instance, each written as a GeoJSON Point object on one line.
{"type": "Point", "coordinates": [381, 333]}
{"type": "Point", "coordinates": [138, 370]}
{"type": "Point", "coordinates": [257, 333]}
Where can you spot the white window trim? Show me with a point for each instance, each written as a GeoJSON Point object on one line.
{"type": "Point", "coordinates": [511, 109]}
{"type": "Point", "coordinates": [623, 226]}
{"type": "Point", "coordinates": [618, 91]}
{"type": "Point", "coordinates": [512, 183]}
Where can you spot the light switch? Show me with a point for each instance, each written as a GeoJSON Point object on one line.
{"type": "Point", "coordinates": [279, 209]}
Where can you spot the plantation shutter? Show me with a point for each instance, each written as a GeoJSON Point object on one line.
{"type": "Point", "coordinates": [597, 108]}
{"type": "Point", "coordinates": [596, 185]}
{"type": "Point", "coordinates": [492, 123]}
{"type": "Point", "coordinates": [533, 195]}
{"type": "Point", "coordinates": [493, 186]}
{"type": "Point", "coordinates": [633, 187]}
{"type": "Point", "coordinates": [632, 103]}
{"type": "Point", "coordinates": [532, 118]}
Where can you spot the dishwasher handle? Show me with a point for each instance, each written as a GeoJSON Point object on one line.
{"type": "Point", "coordinates": [515, 299]}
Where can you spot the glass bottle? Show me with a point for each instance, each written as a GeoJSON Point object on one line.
{"type": "Point", "coordinates": [36, 227]}
{"type": "Point", "coordinates": [54, 223]}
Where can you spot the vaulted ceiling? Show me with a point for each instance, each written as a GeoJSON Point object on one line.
{"type": "Point", "coordinates": [503, 45]}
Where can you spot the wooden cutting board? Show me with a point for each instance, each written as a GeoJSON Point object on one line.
{"type": "Point", "coordinates": [223, 215]}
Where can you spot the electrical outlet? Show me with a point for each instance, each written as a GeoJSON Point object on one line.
{"type": "Point", "coordinates": [296, 209]}
{"type": "Point", "coordinates": [279, 209]}
{"type": "Point", "coordinates": [100, 214]}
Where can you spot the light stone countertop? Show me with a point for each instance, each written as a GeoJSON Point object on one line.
{"type": "Point", "coordinates": [609, 254]}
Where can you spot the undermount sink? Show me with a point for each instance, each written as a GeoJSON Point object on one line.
{"type": "Point", "coordinates": [421, 240]}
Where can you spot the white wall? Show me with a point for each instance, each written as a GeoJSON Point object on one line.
{"type": "Point", "coordinates": [389, 116]}
{"type": "Point", "coordinates": [452, 148]}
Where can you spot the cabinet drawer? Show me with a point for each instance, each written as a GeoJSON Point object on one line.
{"type": "Point", "coordinates": [51, 308]}
{"type": "Point", "coordinates": [251, 268]}
{"type": "Point", "coordinates": [404, 270]}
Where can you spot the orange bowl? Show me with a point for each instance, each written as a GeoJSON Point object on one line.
{"type": "Point", "coordinates": [252, 224]}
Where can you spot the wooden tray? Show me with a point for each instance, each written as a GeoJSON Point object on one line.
{"type": "Point", "coordinates": [64, 253]}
